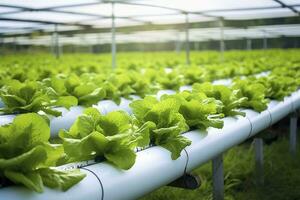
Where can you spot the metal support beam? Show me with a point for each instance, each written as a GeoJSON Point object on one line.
{"type": "Point", "coordinates": [187, 39]}
{"type": "Point", "coordinates": [15, 45]}
{"type": "Point", "coordinates": [259, 161]}
{"type": "Point", "coordinates": [177, 43]}
{"type": "Point", "coordinates": [51, 47]}
{"type": "Point", "coordinates": [283, 5]}
{"type": "Point", "coordinates": [222, 42]}
{"type": "Point", "coordinates": [43, 22]}
{"type": "Point", "coordinates": [218, 178]}
{"type": "Point", "coordinates": [56, 42]}
{"type": "Point", "coordinates": [293, 133]}
{"type": "Point", "coordinates": [2, 45]}
{"type": "Point", "coordinates": [113, 36]}
{"type": "Point", "coordinates": [265, 42]}
{"type": "Point", "coordinates": [196, 45]}
{"type": "Point", "coordinates": [249, 44]}
{"type": "Point", "coordinates": [91, 49]}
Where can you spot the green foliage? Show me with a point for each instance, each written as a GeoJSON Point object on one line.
{"type": "Point", "coordinates": [28, 97]}
{"type": "Point", "coordinates": [39, 84]}
{"type": "Point", "coordinates": [112, 136]}
{"type": "Point", "coordinates": [278, 86]}
{"type": "Point", "coordinates": [168, 123]}
{"type": "Point", "coordinates": [254, 92]}
{"type": "Point", "coordinates": [76, 90]}
{"type": "Point", "coordinates": [198, 111]}
{"type": "Point", "coordinates": [230, 101]}
{"type": "Point", "coordinates": [26, 155]}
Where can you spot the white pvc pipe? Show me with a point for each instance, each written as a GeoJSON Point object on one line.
{"type": "Point", "coordinates": [280, 109]}
{"type": "Point", "coordinates": [124, 105]}
{"type": "Point", "coordinates": [226, 82]}
{"type": "Point", "coordinates": [6, 119]}
{"type": "Point", "coordinates": [296, 99]}
{"type": "Point", "coordinates": [106, 106]}
{"type": "Point", "coordinates": [69, 116]}
{"type": "Point", "coordinates": [208, 144]}
{"type": "Point", "coordinates": [185, 87]}
{"type": "Point", "coordinates": [162, 92]}
{"type": "Point", "coordinates": [66, 120]}
{"type": "Point", "coordinates": [154, 166]}
{"type": "Point", "coordinates": [89, 188]}
{"type": "Point", "coordinates": [259, 121]}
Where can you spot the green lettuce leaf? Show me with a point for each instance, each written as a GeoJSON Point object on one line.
{"type": "Point", "coordinates": [169, 123]}
{"type": "Point", "coordinates": [112, 136]}
{"type": "Point", "coordinates": [25, 150]}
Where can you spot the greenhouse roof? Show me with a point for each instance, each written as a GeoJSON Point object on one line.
{"type": "Point", "coordinates": [27, 16]}
{"type": "Point", "coordinates": [196, 34]}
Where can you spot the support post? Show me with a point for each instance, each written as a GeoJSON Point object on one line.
{"type": "Point", "coordinates": [218, 178]}
{"type": "Point", "coordinates": [187, 39]}
{"type": "Point", "coordinates": [56, 38]}
{"type": "Point", "coordinates": [177, 43]}
{"type": "Point", "coordinates": [196, 46]}
{"type": "Point", "coordinates": [51, 44]}
{"type": "Point", "coordinates": [91, 48]}
{"type": "Point", "coordinates": [249, 44]}
{"type": "Point", "coordinates": [113, 36]}
{"type": "Point", "coordinates": [15, 45]}
{"type": "Point", "coordinates": [265, 41]}
{"type": "Point", "coordinates": [259, 161]}
{"type": "Point", "coordinates": [2, 46]}
{"type": "Point", "coordinates": [222, 43]}
{"type": "Point", "coordinates": [293, 133]}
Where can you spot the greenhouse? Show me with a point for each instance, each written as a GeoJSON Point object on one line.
{"type": "Point", "coordinates": [149, 99]}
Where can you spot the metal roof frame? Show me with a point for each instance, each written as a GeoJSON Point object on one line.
{"type": "Point", "coordinates": [54, 9]}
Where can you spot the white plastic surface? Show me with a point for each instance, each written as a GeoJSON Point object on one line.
{"type": "Point", "coordinates": [296, 100]}
{"type": "Point", "coordinates": [259, 121]}
{"type": "Point", "coordinates": [226, 82]}
{"type": "Point", "coordinates": [89, 188]}
{"type": "Point", "coordinates": [124, 105]}
{"type": "Point", "coordinates": [6, 119]}
{"type": "Point", "coordinates": [66, 120]}
{"type": "Point", "coordinates": [185, 87]}
{"type": "Point", "coordinates": [162, 92]}
{"type": "Point", "coordinates": [106, 106]}
{"type": "Point", "coordinates": [280, 109]}
{"type": "Point", "coordinates": [153, 168]}
{"type": "Point", "coordinates": [208, 144]}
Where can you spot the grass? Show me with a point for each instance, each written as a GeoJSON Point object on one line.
{"type": "Point", "coordinates": [282, 176]}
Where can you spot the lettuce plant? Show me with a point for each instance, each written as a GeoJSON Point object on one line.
{"type": "Point", "coordinates": [229, 98]}
{"type": "Point", "coordinates": [255, 93]}
{"type": "Point", "coordinates": [168, 123]}
{"type": "Point", "coordinates": [32, 97]}
{"type": "Point", "coordinates": [198, 111]}
{"type": "Point", "coordinates": [27, 158]}
{"type": "Point", "coordinates": [112, 137]}
{"type": "Point", "coordinates": [86, 93]}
